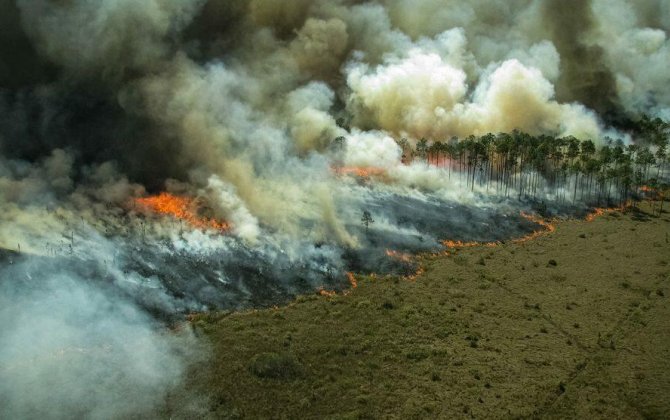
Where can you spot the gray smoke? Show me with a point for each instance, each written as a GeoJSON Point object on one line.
{"type": "Point", "coordinates": [73, 349]}
{"type": "Point", "coordinates": [584, 76]}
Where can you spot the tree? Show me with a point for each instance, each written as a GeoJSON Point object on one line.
{"type": "Point", "coordinates": [406, 150]}
{"type": "Point", "coordinates": [588, 149]}
{"type": "Point", "coordinates": [367, 220]}
{"type": "Point", "coordinates": [661, 156]}
{"type": "Point", "coordinates": [422, 148]}
{"type": "Point", "coordinates": [530, 164]}
{"type": "Point", "coordinates": [338, 146]}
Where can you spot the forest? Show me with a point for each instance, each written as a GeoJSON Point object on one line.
{"type": "Point", "coordinates": [569, 169]}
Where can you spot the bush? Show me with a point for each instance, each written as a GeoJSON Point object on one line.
{"type": "Point", "coordinates": [276, 366]}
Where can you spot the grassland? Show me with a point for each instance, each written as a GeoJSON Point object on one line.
{"type": "Point", "coordinates": [574, 324]}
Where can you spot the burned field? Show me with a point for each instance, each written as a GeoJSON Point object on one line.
{"type": "Point", "coordinates": [174, 262]}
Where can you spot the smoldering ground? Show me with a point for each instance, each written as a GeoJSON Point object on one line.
{"type": "Point", "coordinates": [238, 103]}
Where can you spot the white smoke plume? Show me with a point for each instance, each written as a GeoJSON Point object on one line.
{"type": "Point", "coordinates": [74, 350]}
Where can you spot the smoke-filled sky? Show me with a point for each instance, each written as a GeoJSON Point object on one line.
{"type": "Point", "coordinates": [251, 91]}
{"type": "Point", "coordinates": [238, 102]}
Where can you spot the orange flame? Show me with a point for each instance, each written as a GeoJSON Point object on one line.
{"type": "Point", "coordinates": [461, 244]}
{"type": "Point", "coordinates": [417, 274]}
{"type": "Point", "coordinates": [352, 280]}
{"type": "Point", "coordinates": [326, 293]}
{"type": "Point", "coordinates": [400, 256]}
{"type": "Point", "coordinates": [596, 213]}
{"type": "Point", "coordinates": [181, 208]}
{"type": "Point", "coordinates": [406, 258]}
{"type": "Point", "coordinates": [361, 172]}
{"type": "Point", "coordinates": [548, 228]}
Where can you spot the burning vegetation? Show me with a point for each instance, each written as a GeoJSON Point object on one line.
{"type": "Point", "coordinates": [185, 209]}
{"type": "Point", "coordinates": [546, 227]}
{"type": "Point", "coordinates": [361, 172]}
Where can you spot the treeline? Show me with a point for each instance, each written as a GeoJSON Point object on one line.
{"type": "Point", "coordinates": [572, 170]}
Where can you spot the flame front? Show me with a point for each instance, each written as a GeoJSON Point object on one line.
{"type": "Point", "coordinates": [595, 214]}
{"type": "Point", "coordinates": [327, 293]}
{"type": "Point", "coordinates": [181, 208]}
{"type": "Point", "coordinates": [352, 280]}
{"type": "Point", "coordinates": [461, 244]}
{"type": "Point", "coordinates": [359, 171]}
{"type": "Point", "coordinates": [548, 228]}
{"type": "Point", "coordinates": [598, 212]}
{"type": "Point", "coordinates": [400, 256]}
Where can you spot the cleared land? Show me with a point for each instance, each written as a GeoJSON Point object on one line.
{"type": "Point", "coordinates": [572, 324]}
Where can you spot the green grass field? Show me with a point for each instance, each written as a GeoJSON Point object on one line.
{"type": "Point", "coordinates": [573, 324]}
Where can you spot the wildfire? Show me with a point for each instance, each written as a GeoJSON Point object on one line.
{"type": "Point", "coordinates": [461, 244]}
{"type": "Point", "coordinates": [548, 228]}
{"type": "Point", "coordinates": [352, 280]}
{"type": "Point", "coordinates": [598, 212]}
{"type": "Point", "coordinates": [361, 172]}
{"type": "Point", "coordinates": [595, 214]}
{"type": "Point", "coordinates": [408, 259]}
{"type": "Point", "coordinates": [327, 293]}
{"type": "Point", "coordinates": [400, 256]}
{"type": "Point", "coordinates": [181, 208]}
{"type": "Point", "coordinates": [417, 274]}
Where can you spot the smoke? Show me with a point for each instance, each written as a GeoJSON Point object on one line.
{"type": "Point", "coordinates": [422, 95]}
{"type": "Point", "coordinates": [108, 39]}
{"type": "Point", "coordinates": [636, 36]}
{"type": "Point", "coordinates": [71, 349]}
{"type": "Point", "coordinates": [584, 77]}
{"type": "Point", "coordinates": [259, 111]}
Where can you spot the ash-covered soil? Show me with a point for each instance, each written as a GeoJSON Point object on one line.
{"type": "Point", "coordinates": [569, 325]}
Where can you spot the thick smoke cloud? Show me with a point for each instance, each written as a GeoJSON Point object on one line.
{"type": "Point", "coordinates": [105, 39]}
{"type": "Point", "coordinates": [584, 77]}
{"type": "Point", "coordinates": [72, 350]}
{"type": "Point", "coordinates": [259, 109]}
{"type": "Point", "coordinates": [422, 95]}
{"type": "Point", "coordinates": [636, 38]}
